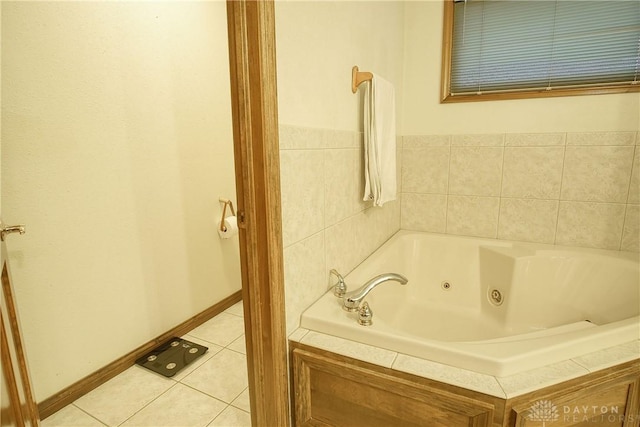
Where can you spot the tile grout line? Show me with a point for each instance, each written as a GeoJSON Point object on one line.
{"type": "Point", "coordinates": [89, 414]}
{"type": "Point", "coordinates": [214, 398]}
{"type": "Point", "coordinates": [446, 204]}
{"type": "Point", "coordinates": [205, 393]}
{"type": "Point", "coordinates": [504, 148]}
{"type": "Point", "coordinates": [564, 158]}
{"type": "Point", "coordinates": [626, 206]}
{"type": "Point", "coordinates": [175, 383]}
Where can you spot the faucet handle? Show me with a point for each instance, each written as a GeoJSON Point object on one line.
{"type": "Point", "coordinates": [365, 315]}
{"type": "Point", "coordinates": [340, 288]}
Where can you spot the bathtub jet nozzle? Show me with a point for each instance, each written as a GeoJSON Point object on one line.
{"type": "Point", "coordinates": [353, 299]}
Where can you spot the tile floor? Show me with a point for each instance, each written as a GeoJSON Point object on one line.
{"type": "Point", "coordinates": [211, 392]}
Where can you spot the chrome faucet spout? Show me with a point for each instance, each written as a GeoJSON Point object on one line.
{"type": "Point", "coordinates": [353, 299]}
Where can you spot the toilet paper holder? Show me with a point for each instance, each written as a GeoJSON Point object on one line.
{"type": "Point", "coordinates": [224, 212]}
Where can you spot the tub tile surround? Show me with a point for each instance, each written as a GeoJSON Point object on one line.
{"type": "Point", "coordinates": [523, 187]}
{"type": "Point", "coordinates": [609, 356]}
{"type": "Point", "coordinates": [527, 381]}
{"type": "Point", "coordinates": [575, 189]}
{"type": "Point", "coordinates": [448, 374]}
{"type": "Point", "coordinates": [502, 387]}
{"type": "Point", "coordinates": [364, 352]}
{"type": "Point", "coordinates": [327, 225]}
{"type": "Point", "coordinates": [631, 230]}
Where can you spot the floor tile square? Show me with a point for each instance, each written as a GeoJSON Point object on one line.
{"type": "Point", "coordinates": [232, 417]}
{"type": "Point", "coordinates": [237, 309]}
{"type": "Point", "coordinates": [224, 376]}
{"type": "Point", "coordinates": [71, 416]}
{"type": "Point", "coordinates": [238, 345]}
{"type": "Point", "coordinates": [242, 401]}
{"type": "Point", "coordinates": [180, 406]}
{"type": "Point", "coordinates": [124, 395]}
{"type": "Point", "coordinates": [221, 330]}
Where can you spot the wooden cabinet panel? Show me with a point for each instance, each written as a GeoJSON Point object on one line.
{"type": "Point", "coordinates": [609, 403]}
{"type": "Point", "coordinates": [333, 390]}
{"type": "Point", "coordinates": [335, 393]}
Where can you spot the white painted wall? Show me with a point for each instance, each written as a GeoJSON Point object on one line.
{"type": "Point", "coordinates": [318, 42]}
{"type": "Point", "coordinates": [423, 113]}
{"type": "Point", "coordinates": [117, 144]}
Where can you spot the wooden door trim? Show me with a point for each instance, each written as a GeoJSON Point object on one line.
{"type": "Point", "coordinates": [251, 28]}
{"type": "Point", "coordinates": [13, 359]}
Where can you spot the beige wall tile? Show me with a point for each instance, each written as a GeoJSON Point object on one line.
{"type": "Point", "coordinates": [601, 138]}
{"type": "Point", "coordinates": [475, 171]}
{"type": "Point", "coordinates": [631, 230]}
{"type": "Point", "coordinates": [341, 245]}
{"type": "Point", "coordinates": [425, 169]}
{"type": "Point", "coordinates": [350, 241]}
{"type": "Point", "coordinates": [417, 141]}
{"type": "Point", "coordinates": [374, 226]}
{"type": "Point", "coordinates": [342, 139]}
{"type": "Point", "coordinates": [634, 188]}
{"type": "Point", "coordinates": [325, 222]}
{"type": "Point", "coordinates": [597, 173]}
{"type": "Point", "coordinates": [302, 188]}
{"type": "Point", "coordinates": [528, 220]}
{"type": "Point", "coordinates": [532, 172]}
{"type": "Point", "coordinates": [473, 216]}
{"type": "Point", "coordinates": [535, 168]}
{"type": "Point", "coordinates": [595, 225]}
{"type": "Point", "coordinates": [535, 139]}
{"type": "Point", "coordinates": [424, 212]}
{"type": "Point", "coordinates": [296, 137]}
{"type": "Point", "coordinates": [344, 184]}
{"type": "Point", "coordinates": [399, 163]}
{"type": "Point", "coordinates": [478, 140]}
{"type": "Point", "coordinates": [305, 277]}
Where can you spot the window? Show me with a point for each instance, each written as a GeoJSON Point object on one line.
{"type": "Point", "coordinates": [506, 49]}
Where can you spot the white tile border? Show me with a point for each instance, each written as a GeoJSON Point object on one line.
{"type": "Point", "coordinates": [502, 387]}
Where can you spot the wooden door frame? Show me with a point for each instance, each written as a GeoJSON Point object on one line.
{"type": "Point", "coordinates": [251, 29]}
{"type": "Point", "coordinates": [22, 409]}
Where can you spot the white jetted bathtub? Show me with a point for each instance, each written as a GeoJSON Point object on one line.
{"type": "Point", "coordinates": [550, 303]}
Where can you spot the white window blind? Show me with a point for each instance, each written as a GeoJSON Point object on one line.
{"type": "Point", "coordinates": [519, 45]}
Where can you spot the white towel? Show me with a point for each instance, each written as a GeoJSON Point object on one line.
{"type": "Point", "coordinates": [379, 141]}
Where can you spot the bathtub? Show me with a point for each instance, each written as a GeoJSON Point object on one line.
{"type": "Point", "coordinates": [489, 306]}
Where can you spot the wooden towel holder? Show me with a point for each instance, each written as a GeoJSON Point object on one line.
{"type": "Point", "coordinates": [358, 77]}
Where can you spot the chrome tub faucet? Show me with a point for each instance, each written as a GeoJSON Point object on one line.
{"type": "Point", "coordinates": [353, 299]}
{"type": "Point", "coordinates": [340, 288]}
